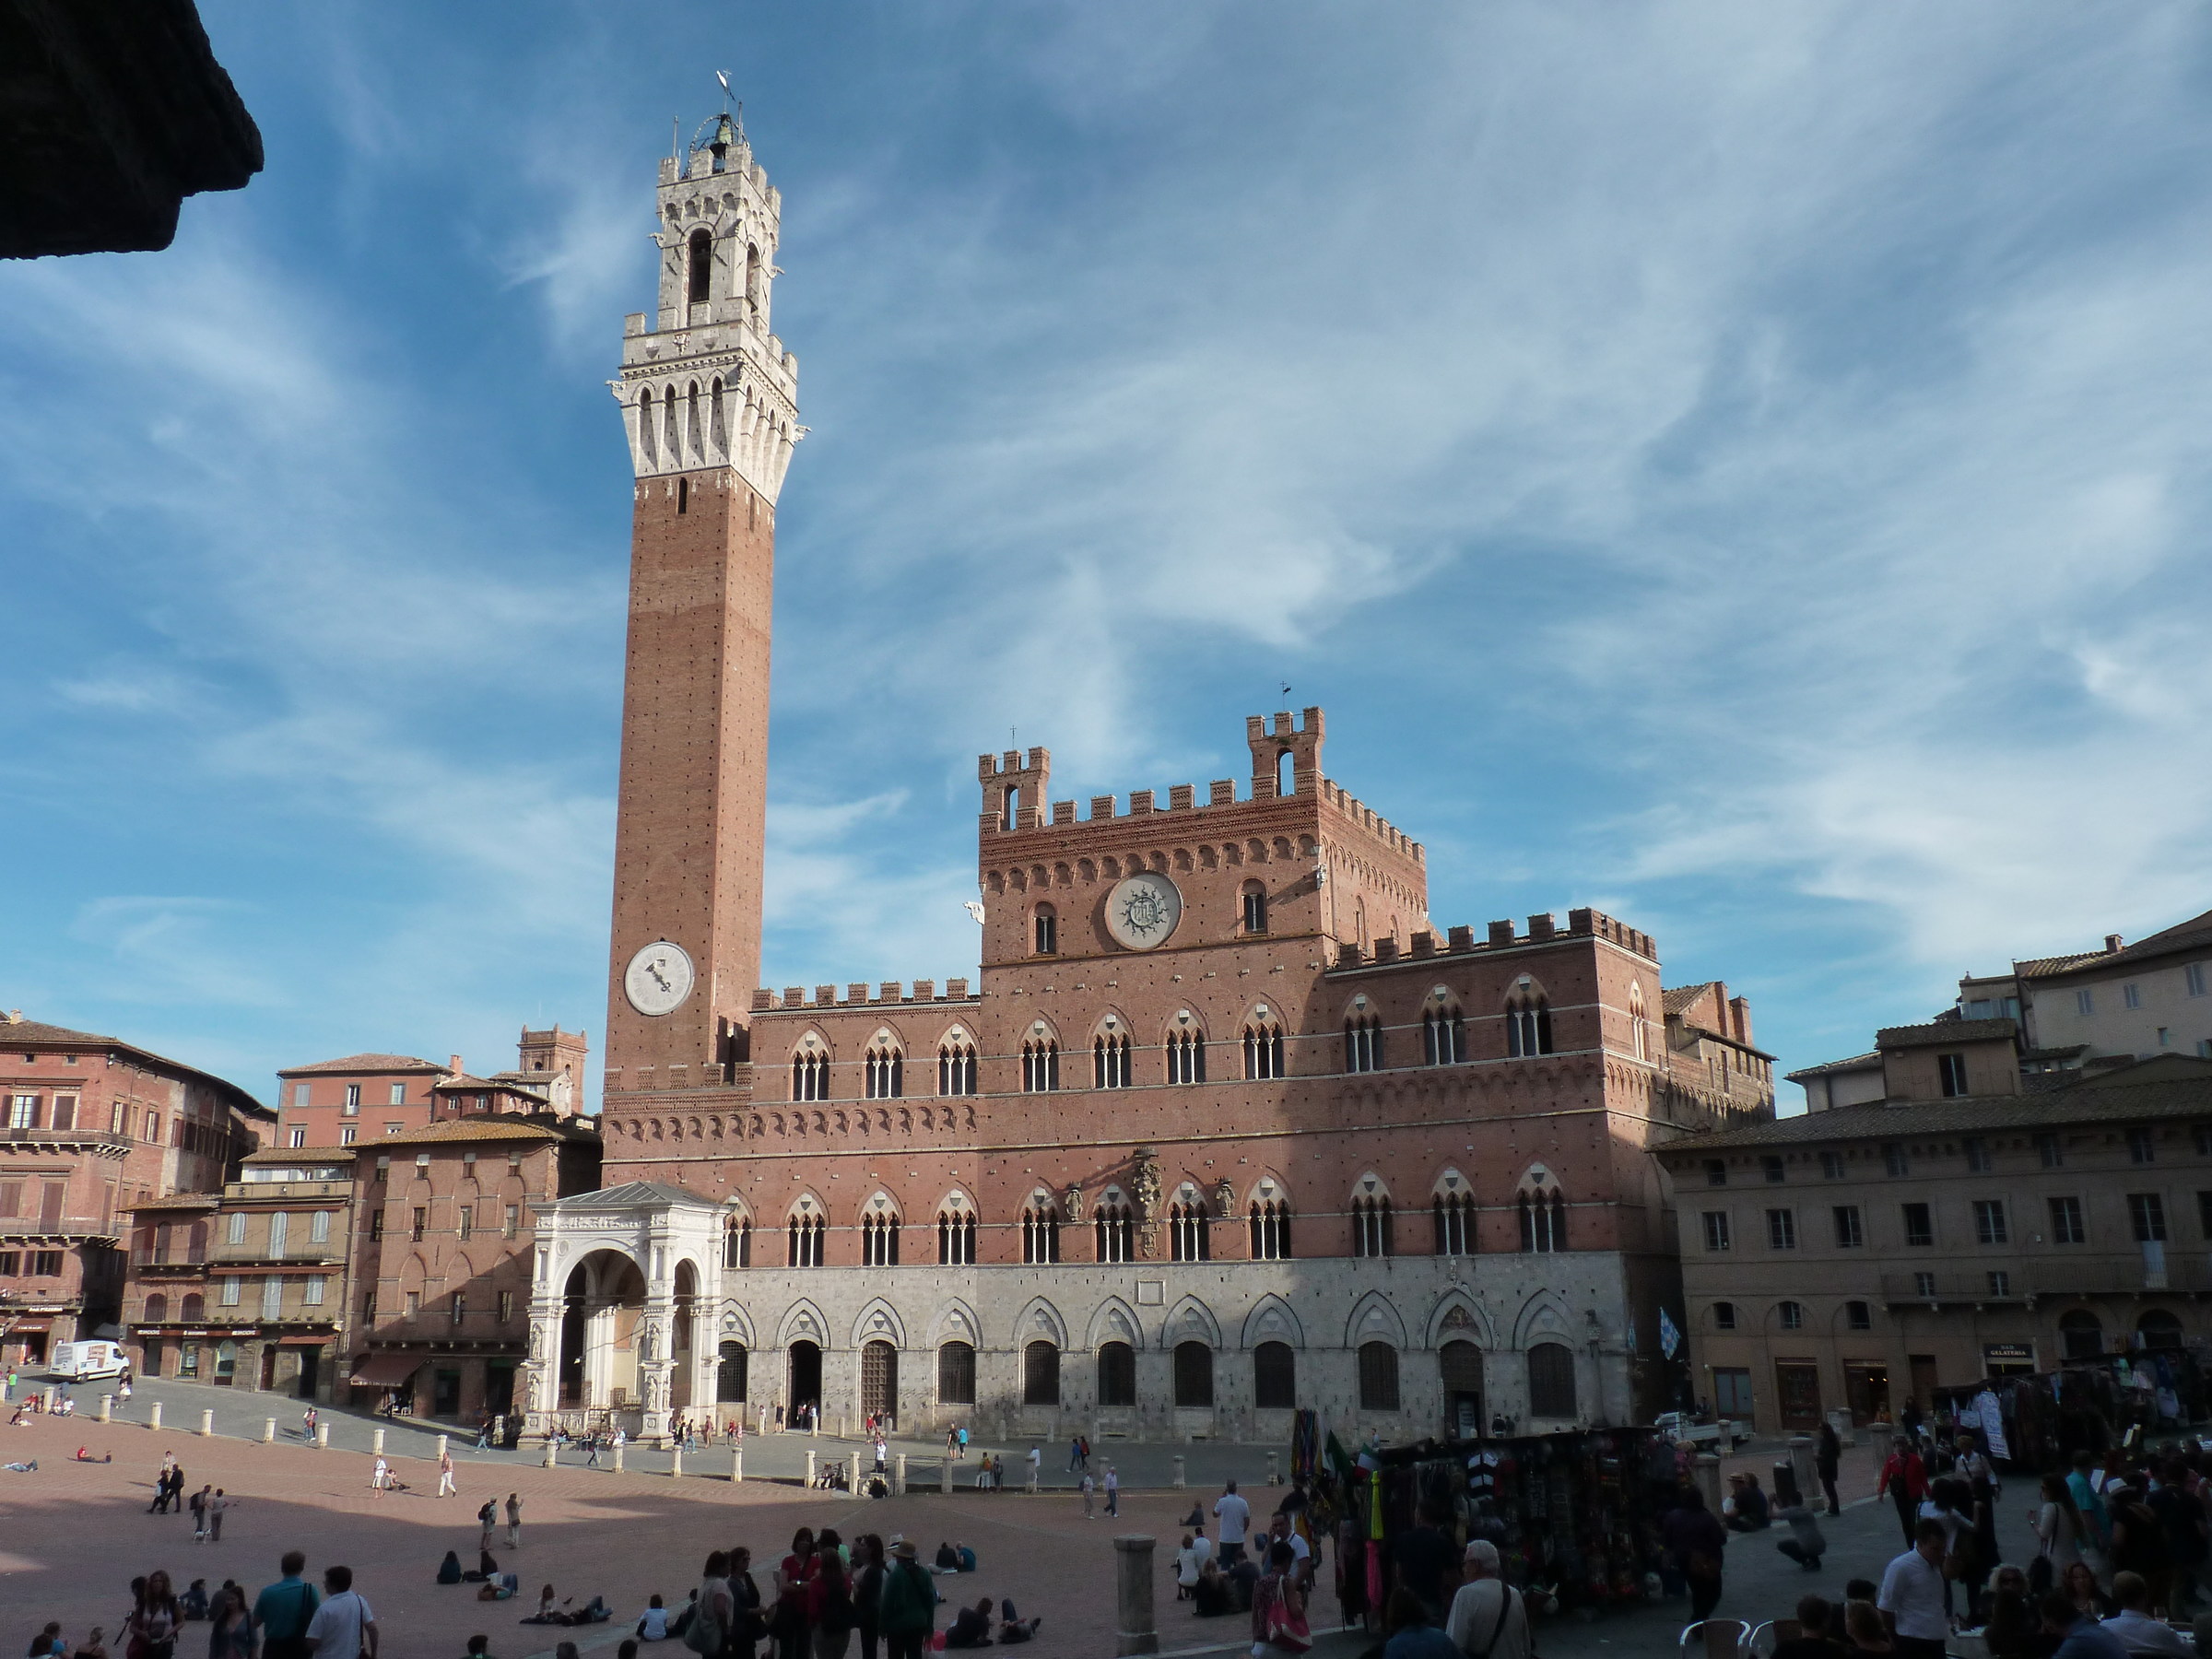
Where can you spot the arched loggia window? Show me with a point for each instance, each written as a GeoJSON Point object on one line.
{"type": "Point", "coordinates": [1443, 1037]}
{"type": "Point", "coordinates": [1543, 1220]}
{"type": "Point", "coordinates": [1527, 1024]}
{"type": "Point", "coordinates": [702, 266]}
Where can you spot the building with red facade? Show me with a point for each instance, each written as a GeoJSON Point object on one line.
{"type": "Point", "coordinates": [1224, 1126]}
{"type": "Point", "coordinates": [94, 1126]}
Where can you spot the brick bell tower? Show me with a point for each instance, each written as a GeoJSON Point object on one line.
{"type": "Point", "coordinates": [709, 399]}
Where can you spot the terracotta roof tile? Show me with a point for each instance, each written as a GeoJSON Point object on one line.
{"type": "Point", "coordinates": [364, 1063]}
{"type": "Point", "coordinates": [1942, 1031]}
{"type": "Point", "coordinates": [1678, 997]}
{"type": "Point", "coordinates": [1856, 1063]}
{"type": "Point", "coordinates": [506, 1127]}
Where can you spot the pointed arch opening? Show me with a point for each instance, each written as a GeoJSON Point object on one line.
{"type": "Point", "coordinates": [1452, 1210]}
{"type": "Point", "coordinates": [702, 266]}
{"type": "Point", "coordinates": [1527, 1020]}
{"type": "Point", "coordinates": [1372, 1221]}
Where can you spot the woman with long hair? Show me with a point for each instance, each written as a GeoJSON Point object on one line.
{"type": "Point", "coordinates": [231, 1626]}
{"type": "Point", "coordinates": [2080, 1582]}
{"type": "Point", "coordinates": [829, 1612]}
{"type": "Point", "coordinates": [150, 1632]}
{"type": "Point", "coordinates": [745, 1623]}
{"type": "Point", "coordinates": [867, 1591]}
{"type": "Point", "coordinates": [2059, 1532]}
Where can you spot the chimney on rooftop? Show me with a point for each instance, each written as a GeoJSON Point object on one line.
{"type": "Point", "coordinates": [2112, 944]}
{"type": "Point", "coordinates": [454, 1065]}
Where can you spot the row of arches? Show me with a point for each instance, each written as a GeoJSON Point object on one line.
{"type": "Point", "coordinates": [1270, 1377]}
{"type": "Point", "coordinates": [1110, 867]}
{"type": "Point", "coordinates": [697, 426]}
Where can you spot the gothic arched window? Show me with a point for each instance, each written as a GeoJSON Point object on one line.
{"type": "Point", "coordinates": [1115, 1226]}
{"type": "Point", "coordinates": [1527, 1025]}
{"type": "Point", "coordinates": [1454, 1216]}
{"type": "Point", "coordinates": [956, 1067]}
{"type": "Point", "coordinates": [1255, 907]}
{"type": "Point", "coordinates": [1443, 1037]}
{"type": "Point", "coordinates": [1039, 1065]}
{"type": "Point", "coordinates": [1363, 1043]}
{"type": "Point", "coordinates": [1189, 1232]}
{"type": "Point", "coordinates": [879, 1239]}
{"type": "Point", "coordinates": [1270, 1220]}
{"type": "Point", "coordinates": [1371, 1229]}
{"type": "Point", "coordinates": [956, 1238]}
{"type": "Point", "coordinates": [1543, 1220]}
{"type": "Point", "coordinates": [1048, 930]}
{"type": "Point", "coordinates": [1040, 1232]}
{"type": "Point", "coordinates": [810, 1076]}
{"type": "Point", "coordinates": [887, 1073]}
{"type": "Point", "coordinates": [1186, 1056]}
{"type": "Point", "coordinates": [804, 1236]}
{"type": "Point", "coordinates": [1110, 1060]}
{"type": "Point", "coordinates": [752, 278]}
{"type": "Point", "coordinates": [1263, 1050]}
{"type": "Point", "coordinates": [738, 1243]}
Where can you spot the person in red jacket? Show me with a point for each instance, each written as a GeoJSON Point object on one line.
{"type": "Point", "coordinates": [1905, 1478]}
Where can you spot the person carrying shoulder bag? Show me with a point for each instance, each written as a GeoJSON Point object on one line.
{"type": "Point", "coordinates": [1489, 1617]}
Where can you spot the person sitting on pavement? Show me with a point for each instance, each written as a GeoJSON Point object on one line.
{"type": "Point", "coordinates": [1805, 1545]}
{"type": "Point", "coordinates": [1186, 1569]}
{"type": "Point", "coordinates": [1212, 1596]}
{"type": "Point", "coordinates": [449, 1570]}
{"type": "Point", "coordinates": [1744, 1509]}
{"type": "Point", "coordinates": [2080, 1636]}
{"type": "Point", "coordinates": [971, 1628]}
{"type": "Point", "coordinates": [653, 1626]}
{"type": "Point", "coordinates": [2139, 1633]}
{"type": "Point", "coordinates": [1408, 1633]}
{"type": "Point", "coordinates": [49, 1642]}
{"type": "Point", "coordinates": [193, 1604]}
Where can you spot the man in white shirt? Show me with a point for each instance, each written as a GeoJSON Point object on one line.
{"type": "Point", "coordinates": [1036, 1463]}
{"type": "Point", "coordinates": [1912, 1596]}
{"type": "Point", "coordinates": [1235, 1517]}
{"type": "Point", "coordinates": [1489, 1617]}
{"type": "Point", "coordinates": [1279, 1531]}
{"type": "Point", "coordinates": [343, 1626]}
{"type": "Point", "coordinates": [2139, 1633]}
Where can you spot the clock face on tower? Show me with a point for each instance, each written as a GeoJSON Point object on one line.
{"type": "Point", "coordinates": [658, 978]}
{"type": "Point", "coordinates": [1142, 911]}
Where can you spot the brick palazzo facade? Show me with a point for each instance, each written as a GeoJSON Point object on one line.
{"type": "Point", "coordinates": [94, 1126]}
{"type": "Point", "coordinates": [1224, 1127]}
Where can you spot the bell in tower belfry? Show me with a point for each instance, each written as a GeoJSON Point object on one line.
{"type": "Point", "coordinates": [709, 402]}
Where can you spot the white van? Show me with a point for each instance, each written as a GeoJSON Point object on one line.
{"type": "Point", "coordinates": [81, 1362]}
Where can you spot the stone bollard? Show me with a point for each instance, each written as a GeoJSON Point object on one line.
{"type": "Point", "coordinates": [844, 1425]}
{"type": "Point", "coordinates": [321, 1437]}
{"type": "Point", "coordinates": [621, 1448]}
{"type": "Point", "coordinates": [268, 1431]}
{"type": "Point", "coordinates": [1275, 1475]}
{"type": "Point", "coordinates": [1801, 1465]}
{"type": "Point", "coordinates": [736, 1466]}
{"type": "Point", "coordinates": [1179, 1483]}
{"type": "Point", "coordinates": [944, 1477]}
{"type": "Point", "coordinates": [551, 1449]}
{"type": "Point", "coordinates": [376, 1443]}
{"type": "Point", "coordinates": [1709, 1481]}
{"type": "Point", "coordinates": [53, 1398]}
{"type": "Point", "coordinates": [810, 1468]}
{"type": "Point", "coordinates": [676, 1463]}
{"type": "Point", "coordinates": [107, 1404]}
{"type": "Point", "coordinates": [899, 1478]}
{"type": "Point", "coordinates": [208, 1419]}
{"type": "Point", "coordinates": [1133, 1596]}
{"type": "Point", "coordinates": [153, 1417]}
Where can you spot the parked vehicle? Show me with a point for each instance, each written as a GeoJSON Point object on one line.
{"type": "Point", "coordinates": [1718, 1436]}
{"type": "Point", "coordinates": [81, 1362]}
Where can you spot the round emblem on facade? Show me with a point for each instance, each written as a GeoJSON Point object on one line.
{"type": "Point", "coordinates": [1142, 911]}
{"type": "Point", "coordinates": [659, 979]}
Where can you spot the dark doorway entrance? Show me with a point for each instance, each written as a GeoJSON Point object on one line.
{"type": "Point", "coordinates": [803, 1383]}
{"type": "Point", "coordinates": [1463, 1389]}
{"type": "Point", "coordinates": [729, 1372]}
{"type": "Point", "coordinates": [1797, 1388]}
{"type": "Point", "coordinates": [1923, 1380]}
{"type": "Point", "coordinates": [311, 1372]}
{"type": "Point", "coordinates": [445, 1400]}
{"type": "Point", "coordinates": [498, 1388]}
{"type": "Point", "coordinates": [879, 1381]}
{"type": "Point", "coordinates": [268, 1368]}
{"type": "Point", "coordinates": [1867, 1389]}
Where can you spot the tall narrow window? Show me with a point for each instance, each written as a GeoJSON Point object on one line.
{"type": "Point", "coordinates": [1528, 1025]}
{"type": "Point", "coordinates": [956, 1238]}
{"type": "Point", "coordinates": [702, 265]}
{"type": "Point", "coordinates": [1443, 1037]}
{"type": "Point", "coordinates": [1048, 930]}
{"type": "Point", "coordinates": [1110, 1060]}
{"type": "Point", "coordinates": [1263, 1050]}
{"type": "Point", "coordinates": [880, 1240]}
{"type": "Point", "coordinates": [752, 279]}
{"type": "Point", "coordinates": [1543, 1222]}
{"type": "Point", "coordinates": [1370, 1227]}
{"type": "Point", "coordinates": [1950, 1070]}
{"type": "Point", "coordinates": [1363, 1043]}
{"type": "Point", "coordinates": [1255, 907]}
{"type": "Point", "coordinates": [1186, 1057]}
{"type": "Point", "coordinates": [956, 1068]}
{"type": "Point", "coordinates": [1270, 1221]}
{"type": "Point", "coordinates": [810, 1076]}
{"type": "Point", "coordinates": [1039, 1065]}
{"type": "Point", "coordinates": [738, 1243]}
{"type": "Point", "coordinates": [1115, 1226]}
{"type": "Point", "coordinates": [1378, 1377]}
{"type": "Point", "coordinates": [1041, 1233]}
{"type": "Point", "coordinates": [886, 1074]}
{"type": "Point", "coordinates": [805, 1236]}
{"type": "Point", "coordinates": [1190, 1233]}
{"type": "Point", "coordinates": [1453, 1214]}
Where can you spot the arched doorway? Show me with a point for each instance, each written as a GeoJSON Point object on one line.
{"type": "Point", "coordinates": [1462, 1365]}
{"type": "Point", "coordinates": [729, 1372]}
{"type": "Point", "coordinates": [2080, 1334]}
{"type": "Point", "coordinates": [679, 1337]}
{"type": "Point", "coordinates": [879, 1381]}
{"type": "Point", "coordinates": [2159, 1329]}
{"type": "Point", "coordinates": [802, 1377]}
{"type": "Point", "coordinates": [602, 1306]}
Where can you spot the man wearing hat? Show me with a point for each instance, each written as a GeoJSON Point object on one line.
{"type": "Point", "coordinates": [909, 1602]}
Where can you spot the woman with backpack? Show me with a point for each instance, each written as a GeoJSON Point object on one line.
{"type": "Point", "coordinates": [150, 1632]}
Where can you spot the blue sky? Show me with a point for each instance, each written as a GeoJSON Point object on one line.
{"type": "Point", "coordinates": [1743, 467]}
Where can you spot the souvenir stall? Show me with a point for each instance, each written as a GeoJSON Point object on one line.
{"type": "Point", "coordinates": [2039, 1422]}
{"type": "Point", "coordinates": [1574, 1516]}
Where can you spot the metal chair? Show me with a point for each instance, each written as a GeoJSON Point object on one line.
{"type": "Point", "coordinates": [1721, 1637]}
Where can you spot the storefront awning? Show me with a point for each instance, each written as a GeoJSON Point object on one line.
{"type": "Point", "coordinates": [384, 1370]}
{"type": "Point", "coordinates": [301, 1341]}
